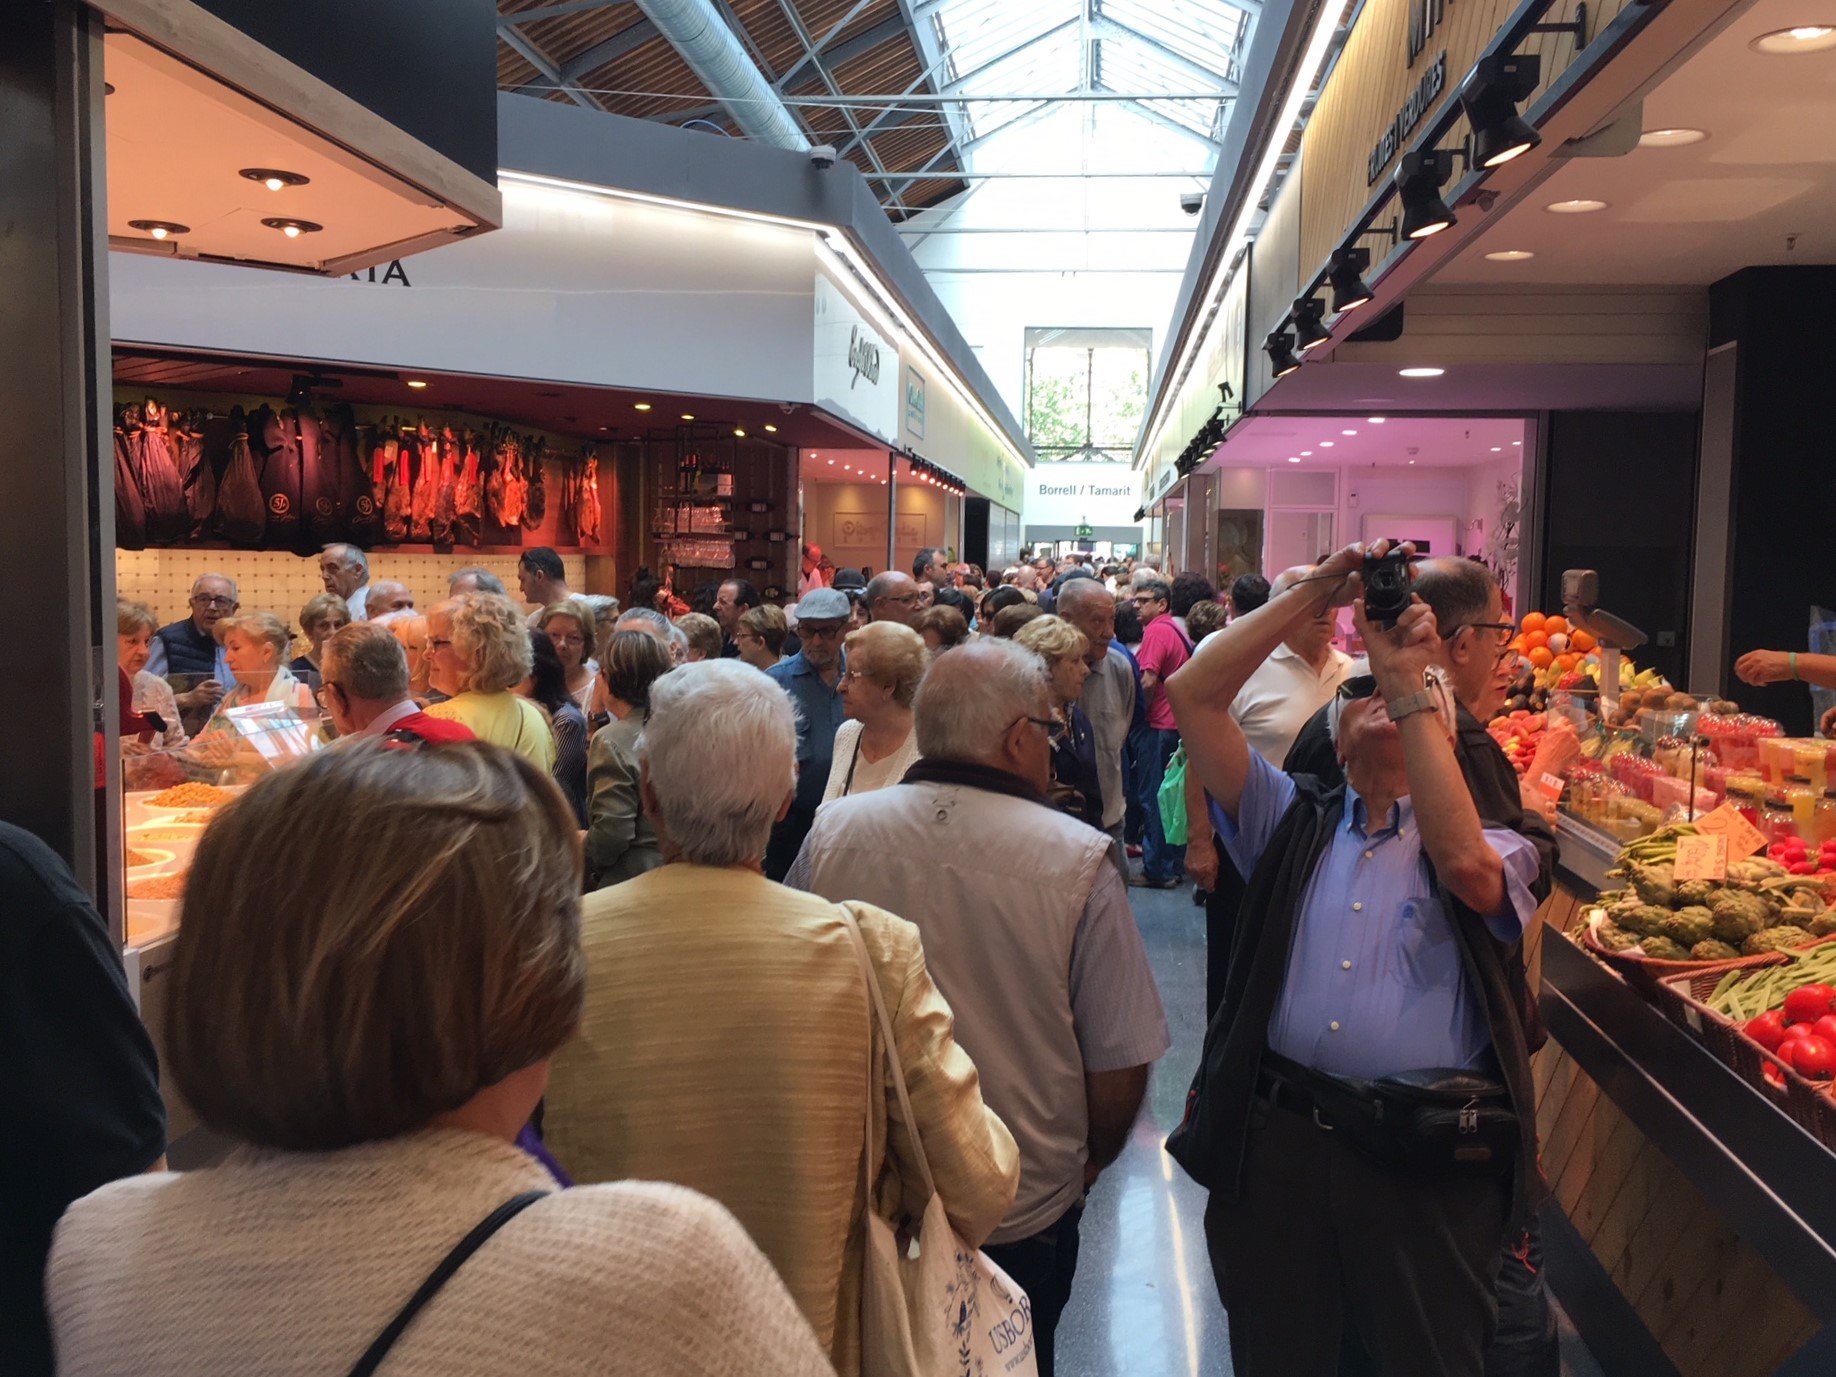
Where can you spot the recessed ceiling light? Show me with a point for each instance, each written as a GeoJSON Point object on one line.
{"type": "Point", "coordinates": [1510, 255]}
{"type": "Point", "coordinates": [293, 229]}
{"type": "Point", "coordinates": [1578, 206]}
{"type": "Point", "coordinates": [1497, 449]}
{"type": "Point", "coordinates": [640, 406]}
{"type": "Point", "coordinates": [1306, 454]}
{"type": "Point", "coordinates": [1294, 458]}
{"type": "Point", "coordinates": [1670, 138]}
{"type": "Point", "coordinates": [416, 383]}
{"type": "Point", "coordinates": [159, 229]}
{"type": "Point", "coordinates": [605, 427]}
{"type": "Point", "coordinates": [1420, 372]}
{"type": "Point", "coordinates": [1326, 444]}
{"type": "Point", "coordinates": [1348, 432]}
{"type": "Point", "coordinates": [1518, 443]}
{"type": "Point", "coordinates": [771, 430]}
{"type": "Point", "coordinates": [1375, 420]}
{"type": "Point", "coordinates": [1806, 38]}
{"type": "Point", "coordinates": [688, 415]}
{"type": "Point", "coordinates": [739, 432]}
{"type": "Point", "coordinates": [1412, 461]}
{"type": "Point", "coordinates": [273, 178]}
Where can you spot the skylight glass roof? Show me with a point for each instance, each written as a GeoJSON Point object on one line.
{"type": "Point", "coordinates": [1150, 49]}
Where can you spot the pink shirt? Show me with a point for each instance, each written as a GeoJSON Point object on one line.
{"type": "Point", "coordinates": [1163, 650]}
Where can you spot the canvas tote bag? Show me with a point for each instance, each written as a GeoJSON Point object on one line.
{"type": "Point", "coordinates": [938, 1308]}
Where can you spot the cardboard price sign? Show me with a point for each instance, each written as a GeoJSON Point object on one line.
{"type": "Point", "coordinates": [1551, 785]}
{"type": "Point", "coordinates": [1702, 858]}
{"type": "Point", "coordinates": [1743, 838]}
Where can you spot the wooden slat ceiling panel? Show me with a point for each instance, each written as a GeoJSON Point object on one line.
{"type": "Point", "coordinates": [661, 85]}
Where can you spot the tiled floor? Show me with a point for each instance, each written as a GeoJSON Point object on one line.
{"type": "Point", "coordinates": [1144, 1304]}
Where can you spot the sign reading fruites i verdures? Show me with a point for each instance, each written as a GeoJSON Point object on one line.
{"type": "Point", "coordinates": [1425, 17]}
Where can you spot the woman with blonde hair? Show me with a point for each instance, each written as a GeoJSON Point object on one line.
{"type": "Point", "coordinates": [255, 645]}
{"type": "Point", "coordinates": [571, 625]}
{"type": "Point", "coordinates": [319, 618]}
{"type": "Point", "coordinates": [478, 652]}
{"type": "Point", "coordinates": [134, 628]}
{"type": "Point", "coordinates": [876, 745]}
{"type": "Point", "coordinates": [416, 995]}
{"type": "Point", "coordinates": [410, 631]}
{"type": "Point", "coordinates": [1076, 788]}
{"type": "Point", "coordinates": [760, 635]}
{"type": "Point", "coordinates": [703, 633]}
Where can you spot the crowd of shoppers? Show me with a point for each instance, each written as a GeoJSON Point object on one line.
{"type": "Point", "coordinates": [943, 778]}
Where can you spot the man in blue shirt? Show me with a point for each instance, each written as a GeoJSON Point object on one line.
{"type": "Point", "coordinates": [1370, 948]}
{"type": "Point", "coordinates": [811, 677]}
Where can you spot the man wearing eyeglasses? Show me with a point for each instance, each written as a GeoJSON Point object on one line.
{"type": "Point", "coordinates": [190, 647]}
{"type": "Point", "coordinates": [1371, 951]}
{"type": "Point", "coordinates": [893, 597]}
{"type": "Point", "coordinates": [812, 678]}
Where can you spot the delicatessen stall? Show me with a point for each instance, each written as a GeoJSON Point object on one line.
{"type": "Point", "coordinates": [1685, 1103]}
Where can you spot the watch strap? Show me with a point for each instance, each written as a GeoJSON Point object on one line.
{"type": "Point", "coordinates": [1420, 701]}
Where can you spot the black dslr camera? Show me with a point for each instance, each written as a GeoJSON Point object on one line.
{"type": "Point", "coordinates": [1386, 586]}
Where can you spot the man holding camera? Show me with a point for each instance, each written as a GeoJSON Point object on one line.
{"type": "Point", "coordinates": [1363, 1113]}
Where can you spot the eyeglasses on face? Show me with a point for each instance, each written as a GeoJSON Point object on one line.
{"type": "Point", "coordinates": [566, 638]}
{"type": "Point", "coordinates": [211, 600]}
{"type": "Point", "coordinates": [437, 643]}
{"type": "Point", "coordinates": [1045, 724]}
{"type": "Point", "coordinates": [1358, 686]}
{"type": "Point", "coordinates": [825, 632]}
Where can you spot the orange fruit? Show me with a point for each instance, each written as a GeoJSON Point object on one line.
{"type": "Point", "coordinates": [1517, 644]}
{"type": "Point", "coordinates": [1537, 640]}
{"type": "Point", "coordinates": [1555, 624]}
{"type": "Point", "coordinates": [1582, 641]}
{"type": "Point", "coordinates": [1568, 660]}
{"type": "Point", "coordinates": [1533, 621]}
{"type": "Point", "coordinates": [1542, 657]}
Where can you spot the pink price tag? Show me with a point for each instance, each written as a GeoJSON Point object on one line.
{"type": "Point", "coordinates": [1727, 821]}
{"type": "Point", "coordinates": [1552, 785]}
{"type": "Point", "coordinates": [1702, 858]}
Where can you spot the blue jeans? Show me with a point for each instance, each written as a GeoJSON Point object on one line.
{"type": "Point", "coordinates": [1042, 1266]}
{"type": "Point", "coordinates": [1137, 759]}
{"type": "Point", "coordinates": [1159, 861]}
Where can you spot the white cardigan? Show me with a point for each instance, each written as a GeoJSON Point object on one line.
{"type": "Point", "coordinates": [888, 771]}
{"type": "Point", "coordinates": [276, 1264]}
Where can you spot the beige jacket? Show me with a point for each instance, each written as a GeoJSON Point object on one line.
{"type": "Point", "coordinates": [725, 1047]}
{"type": "Point", "coordinates": [290, 1264]}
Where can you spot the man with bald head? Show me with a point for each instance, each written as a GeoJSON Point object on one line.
{"type": "Point", "coordinates": [386, 596]}
{"type": "Point", "coordinates": [893, 597]}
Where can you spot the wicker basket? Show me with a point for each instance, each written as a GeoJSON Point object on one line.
{"type": "Point", "coordinates": [1683, 1000]}
{"type": "Point", "coordinates": [1645, 973]}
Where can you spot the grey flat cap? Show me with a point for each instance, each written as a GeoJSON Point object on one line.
{"type": "Point", "coordinates": [823, 605]}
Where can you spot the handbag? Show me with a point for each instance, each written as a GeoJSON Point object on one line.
{"type": "Point", "coordinates": [1172, 799]}
{"type": "Point", "coordinates": [935, 1308]}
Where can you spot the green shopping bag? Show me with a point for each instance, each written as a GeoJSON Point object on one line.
{"type": "Point", "coordinates": [1173, 799]}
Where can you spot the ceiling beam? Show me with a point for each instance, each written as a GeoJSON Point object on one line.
{"type": "Point", "coordinates": [1010, 53]}
{"type": "Point", "coordinates": [609, 49]}
{"type": "Point", "coordinates": [697, 112]}
{"type": "Point", "coordinates": [949, 97]}
{"type": "Point", "coordinates": [556, 11]}
{"type": "Point", "coordinates": [1106, 27]}
{"type": "Point", "coordinates": [892, 117]}
{"type": "Point", "coordinates": [827, 77]}
{"type": "Point", "coordinates": [543, 64]}
{"type": "Point", "coordinates": [1148, 112]}
{"type": "Point", "coordinates": [847, 50]}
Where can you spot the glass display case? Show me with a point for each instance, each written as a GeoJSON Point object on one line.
{"type": "Point", "coordinates": [171, 792]}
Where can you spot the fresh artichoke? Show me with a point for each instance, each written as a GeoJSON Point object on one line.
{"type": "Point", "coordinates": [1663, 949]}
{"type": "Point", "coordinates": [1712, 950]}
{"type": "Point", "coordinates": [1695, 891]}
{"type": "Point", "coordinates": [1615, 938]}
{"type": "Point", "coordinates": [1654, 883]}
{"type": "Point", "coordinates": [1688, 926]}
{"type": "Point", "coordinates": [1824, 923]}
{"type": "Point", "coordinates": [1738, 915]}
{"type": "Point", "coordinates": [1784, 936]}
{"type": "Point", "coordinates": [1647, 920]}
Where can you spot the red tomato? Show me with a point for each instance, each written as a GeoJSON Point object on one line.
{"type": "Point", "coordinates": [1768, 1029]}
{"type": "Point", "coordinates": [1825, 1028]}
{"type": "Point", "coordinates": [1813, 1057]}
{"type": "Point", "coordinates": [1808, 1003]}
{"type": "Point", "coordinates": [1800, 866]}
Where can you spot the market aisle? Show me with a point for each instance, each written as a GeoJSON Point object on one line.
{"type": "Point", "coordinates": [1143, 1304]}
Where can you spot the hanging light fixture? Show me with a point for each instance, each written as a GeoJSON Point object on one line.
{"type": "Point", "coordinates": [1280, 348]}
{"type": "Point", "coordinates": [1346, 277]}
{"type": "Point", "coordinates": [274, 178]}
{"type": "Point", "coordinates": [159, 229]}
{"type": "Point", "coordinates": [1419, 180]}
{"type": "Point", "coordinates": [1491, 94]}
{"type": "Point", "coordinates": [293, 229]}
{"type": "Point", "coordinates": [1309, 333]}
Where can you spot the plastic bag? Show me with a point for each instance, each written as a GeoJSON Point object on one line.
{"type": "Point", "coordinates": [1173, 800]}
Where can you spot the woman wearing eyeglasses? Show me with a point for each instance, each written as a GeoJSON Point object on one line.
{"type": "Point", "coordinates": [477, 652]}
{"type": "Point", "coordinates": [876, 745]}
{"type": "Point", "coordinates": [1076, 787]}
{"type": "Point", "coordinates": [570, 625]}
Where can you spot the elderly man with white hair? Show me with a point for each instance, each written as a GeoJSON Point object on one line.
{"type": "Point", "coordinates": [345, 571]}
{"type": "Point", "coordinates": [1028, 932]}
{"type": "Point", "coordinates": [190, 647]}
{"type": "Point", "coordinates": [725, 1043]}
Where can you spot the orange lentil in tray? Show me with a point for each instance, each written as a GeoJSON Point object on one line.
{"type": "Point", "coordinates": [158, 887]}
{"type": "Point", "coordinates": [190, 795]}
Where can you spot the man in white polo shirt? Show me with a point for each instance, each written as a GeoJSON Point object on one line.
{"type": "Point", "coordinates": [1292, 684]}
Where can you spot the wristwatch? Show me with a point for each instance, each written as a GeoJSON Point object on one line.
{"type": "Point", "coordinates": [1427, 699]}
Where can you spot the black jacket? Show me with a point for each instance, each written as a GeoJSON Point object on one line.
{"type": "Point", "coordinates": [188, 650]}
{"type": "Point", "coordinates": [1212, 1140]}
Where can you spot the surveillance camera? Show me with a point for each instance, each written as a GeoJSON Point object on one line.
{"type": "Point", "coordinates": [1192, 202]}
{"type": "Point", "coordinates": [823, 156]}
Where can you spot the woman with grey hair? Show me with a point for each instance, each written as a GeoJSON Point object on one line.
{"type": "Point", "coordinates": [725, 1043]}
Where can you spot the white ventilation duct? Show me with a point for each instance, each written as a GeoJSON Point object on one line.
{"type": "Point", "coordinates": [714, 54]}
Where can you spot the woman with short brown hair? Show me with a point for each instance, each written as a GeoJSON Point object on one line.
{"type": "Point", "coordinates": [376, 1041]}
{"type": "Point", "coordinates": [760, 635]}
{"type": "Point", "coordinates": [876, 745]}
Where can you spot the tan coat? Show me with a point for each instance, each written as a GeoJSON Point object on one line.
{"type": "Point", "coordinates": [725, 1047]}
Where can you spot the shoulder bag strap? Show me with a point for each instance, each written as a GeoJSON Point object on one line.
{"type": "Point", "coordinates": [451, 1263]}
{"type": "Point", "coordinates": [848, 784]}
{"type": "Point", "coordinates": [891, 1052]}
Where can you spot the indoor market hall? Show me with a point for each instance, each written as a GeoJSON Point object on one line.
{"type": "Point", "coordinates": [918, 688]}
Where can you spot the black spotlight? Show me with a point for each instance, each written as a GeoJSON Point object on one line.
{"type": "Point", "coordinates": [1491, 93]}
{"type": "Point", "coordinates": [1308, 332]}
{"type": "Point", "coordinates": [1280, 348]}
{"type": "Point", "coordinates": [1419, 180]}
{"type": "Point", "coordinates": [1346, 275]}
